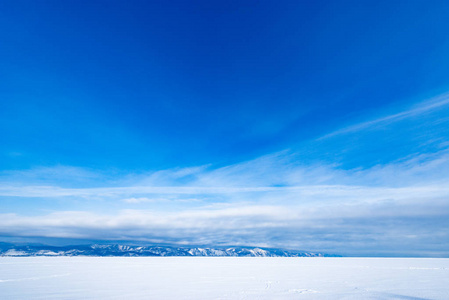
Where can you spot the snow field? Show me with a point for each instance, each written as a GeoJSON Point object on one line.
{"type": "Point", "coordinates": [223, 278]}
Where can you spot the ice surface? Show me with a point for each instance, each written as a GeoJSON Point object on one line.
{"type": "Point", "coordinates": [222, 278]}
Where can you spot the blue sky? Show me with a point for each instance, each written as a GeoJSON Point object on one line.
{"type": "Point", "coordinates": [315, 125]}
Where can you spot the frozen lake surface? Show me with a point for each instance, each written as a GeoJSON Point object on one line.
{"type": "Point", "coordinates": [222, 278]}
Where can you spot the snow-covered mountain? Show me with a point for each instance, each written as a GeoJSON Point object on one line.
{"type": "Point", "coordinates": [7, 249]}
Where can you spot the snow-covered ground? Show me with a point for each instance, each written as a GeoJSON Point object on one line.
{"type": "Point", "coordinates": [222, 278]}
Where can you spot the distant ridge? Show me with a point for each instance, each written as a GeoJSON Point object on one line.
{"type": "Point", "coordinates": [7, 249]}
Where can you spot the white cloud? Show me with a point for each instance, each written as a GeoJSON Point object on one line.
{"type": "Point", "coordinates": [142, 200]}
{"type": "Point", "coordinates": [421, 108]}
{"type": "Point", "coordinates": [277, 178]}
{"type": "Point", "coordinates": [275, 199]}
{"type": "Point", "coordinates": [153, 200]}
{"type": "Point", "coordinates": [308, 226]}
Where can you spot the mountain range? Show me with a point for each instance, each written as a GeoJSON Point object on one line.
{"type": "Point", "coordinates": [7, 249]}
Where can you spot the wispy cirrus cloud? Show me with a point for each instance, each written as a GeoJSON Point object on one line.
{"type": "Point", "coordinates": [285, 174]}
{"type": "Point", "coordinates": [309, 207]}
{"type": "Point", "coordinates": [278, 199]}
{"type": "Point", "coordinates": [419, 109]}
